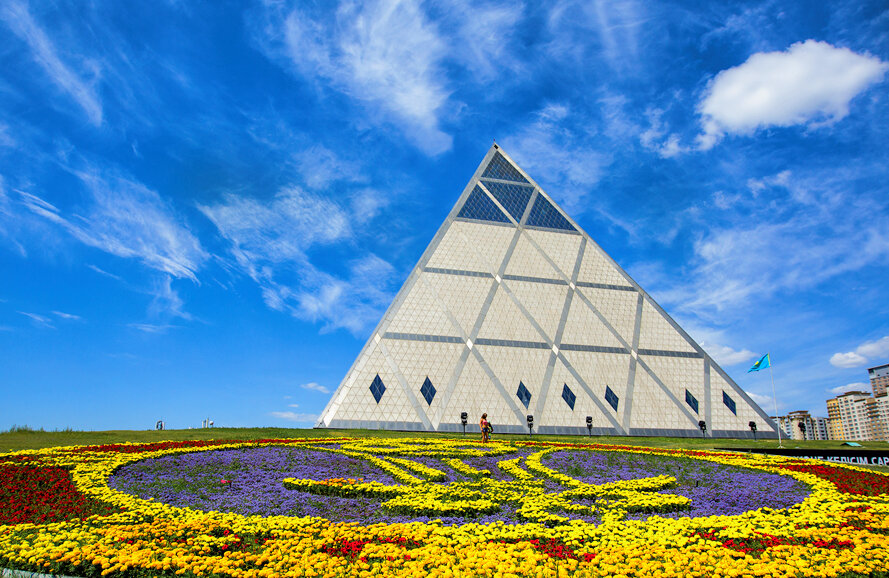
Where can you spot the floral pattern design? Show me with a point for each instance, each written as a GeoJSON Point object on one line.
{"type": "Point", "coordinates": [437, 507]}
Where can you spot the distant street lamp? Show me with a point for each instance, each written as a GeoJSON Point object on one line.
{"type": "Point", "coordinates": [703, 425]}
{"type": "Point", "coordinates": [463, 417]}
{"type": "Point", "coordinates": [589, 424]}
{"type": "Point", "coordinates": [530, 423]}
{"type": "Point", "coordinates": [752, 425]}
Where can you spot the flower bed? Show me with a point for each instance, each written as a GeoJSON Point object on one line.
{"type": "Point", "coordinates": [435, 507]}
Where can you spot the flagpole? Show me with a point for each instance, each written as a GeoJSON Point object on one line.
{"type": "Point", "coordinates": [775, 399]}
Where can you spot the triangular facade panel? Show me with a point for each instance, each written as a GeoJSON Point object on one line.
{"type": "Point", "coordinates": [562, 249]}
{"type": "Point", "coordinates": [583, 327]}
{"type": "Point", "coordinates": [527, 261]}
{"type": "Point", "coordinates": [513, 310]}
{"type": "Point", "coordinates": [505, 321]}
{"type": "Point", "coordinates": [422, 313]}
{"type": "Point", "coordinates": [542, 301]}
{"type": "Point", "coordinates": [462, 295]}
{"type": "Point", "coordinates": [617, 307]}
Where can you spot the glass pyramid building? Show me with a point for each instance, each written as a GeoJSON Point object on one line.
{"type": "Point", "coordinates": [513, 310]}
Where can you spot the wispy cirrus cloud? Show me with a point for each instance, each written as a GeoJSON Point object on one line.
{"type": "Point", "coordinates": [67, 316]}
{"type": "Point", "coordinates": [811, 83]}
{"type": "Point", "coordinates": [386, 54]}
{"type": "Point", "coordinates": [270, 240]}
{"type": "Point", "coordinates": [870, 351]}
{"type": "Point", "coordinates": [151, 327]}
{"type": "Point", "coordinates": [553, 145]}
{"type": "Point", "coordinates": [18, 18]}
{"type": "Point", "coordinates": [786, 232]}
{"type": "Point", "coordinates": [38, 320]}
{"type": "Point", "coordinates": [125, 218]}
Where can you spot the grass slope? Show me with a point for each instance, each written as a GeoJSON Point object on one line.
{"type": "Point", "coordinates": [23, 439]}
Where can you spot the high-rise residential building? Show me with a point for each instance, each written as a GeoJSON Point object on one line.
{"type": "Point", "coordinates": [783, 422]}
{"type": "Point", "coordinates": [814, 428]}
{"type": "Point", "coordinates": [877, 411]}
{"type": "Point", "coordinates": [514, 311]}
{"type": "Point", "coordinates": [822, 428]}
{"type": "Point", "coordinates": [850, 415]}
{"type": "Point", "coordinates": [879, 379]}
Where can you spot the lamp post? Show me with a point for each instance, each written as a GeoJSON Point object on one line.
{"type": "Point", "coordinates": [752, 425]}
{"type": "Point", "coordinates": [463, 417]}
{"type": "Point", "coordinates": [530, 424]}
{"type": "Point", "coordinates": [703, 425]}
{"type": "Point", "coordinates": [589, 424]}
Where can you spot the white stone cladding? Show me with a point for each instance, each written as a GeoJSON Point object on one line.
{"type": "Point", "coordinates": [526, 260]}
{"type": "Point", "coordinates": [597, 268]}
{"type": "Point", "coordinates": [561, 248]}
{"type": "Point", "coordinates": [461, 295]}
{"type": "Point", "coordinates": [584, 326]}
{"type": "Point", "coordinates": [657, 333]}
{"type": "Point", "coordinates": [528, 298]}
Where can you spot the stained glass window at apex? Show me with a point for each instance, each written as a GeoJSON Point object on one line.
{"type": "Point", "coordinates": [568, 396]}
{"type": "Point", "coordinates": [499, 168]}
{"type": "Point", "coordinates": [611, 398]}
{"type": "Point", "coordinates": [480, 206]}
{"type": "Point", "coordinates": [428, 391]}
{"type": "Point", "coordinates": [691, 400]}
{"type": "Point", "coordinates": [544, 214]}
{"type": "Point", "coordinates": [729, 403]}
{"type": "Point", "coordinates": [377, 388]}
{"type": "Point", "coordinates": [514, 198]}
{"type": "Point", "coordinates": [523, 394]}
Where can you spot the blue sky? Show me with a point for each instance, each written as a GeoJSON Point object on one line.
{"type": "Point", "coordinates": [205, 208]}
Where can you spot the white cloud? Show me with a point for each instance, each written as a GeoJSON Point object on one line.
{"type": "Point", "coordinates": [320, 167]}
{"type": "Point", "coordinates": [166, 301]}
{"type": "Point", "coordinates": [794, 233]}
{"type": "Point", "coordinates": [150, 327]}
{"type": "Point", "coordinates": [125, 218]}
{"type": "Point", "coordinates": [607, 30]}
{"type": "Point", "coordinates": [810, 83]}
{"type": "Point", "coordinates": [66, 316]}
{"type": "Point", "coordinates": [847, 360]}
{"type": "Point", "coordinates": [725, 355]}
{"type": "Point", "coordinates": [875, 349]}
{"type": "Point", "coordinates": [293, 405]}
{"type": "Point", "coordinates": [479, 36]}
{"type": "Point", "coordinates": [386, 54]}
{"type": "Point", "coordinates": [863, 354]}
{"type": "Point", "coordinates": [270, 240]}
{"type": "Point", "coordinates": [857, 386]}
{"type": "Point", "coordinates": [105, 273]}
{"type": "Point", "coordinates": [45, 54]}
{"type": "Point", "coordinates": [39, 320]}
{"type": "Point", "coordinates": [766, 402]}
{"type": "Point", "coordinates": [552, 146]}
{"type": "Point", "coordinates": [315, 387]}
{"type": "Point", "coordinates": [297, 417]}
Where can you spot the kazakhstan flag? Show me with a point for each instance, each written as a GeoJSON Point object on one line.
{"type": "Point", "coordinates": [761, 364]}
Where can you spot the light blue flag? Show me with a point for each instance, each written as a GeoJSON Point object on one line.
{"type": "Point", "coordinates": [761, 364]}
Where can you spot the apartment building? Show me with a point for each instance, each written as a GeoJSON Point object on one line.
{"type": "Point", "coordinates": [879, 379]}
{"type": "Point", "coordinates": [857, 415]}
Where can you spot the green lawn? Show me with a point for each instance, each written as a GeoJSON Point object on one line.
{"type": "Point", "coordinates": [22, 440]}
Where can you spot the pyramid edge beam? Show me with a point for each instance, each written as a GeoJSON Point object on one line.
{"type": "Point", "coordinates": [414, 275]}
